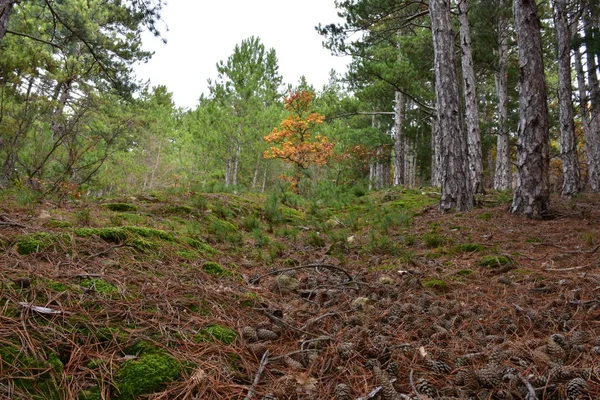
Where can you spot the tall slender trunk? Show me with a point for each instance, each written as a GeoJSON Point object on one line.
{"type": "Point", "coordinates": [531, 197]}
{"type": "Point", "coordinates": [236, 164]}
{"type": "Point", "coordinates": [456, 190]}
{"type": "Point", "coordinates": [503, 174]}
{"type": "Point", "coordinates": [588, 134]}
{"type": "Point", "coordinates": [436, 154]}
{"type": "Point", "coordinates": [568, 144]}
{"type": "Point", "coordinates": [6, 7]}
{"type": "Point", "coordinates": [398, 139]}
{"type": "Point", "coordinates": [593, 145]}
{"type": "Point", "coordinates": [471, 107]}
{"type": "Point", "coordinates": [410, 164]}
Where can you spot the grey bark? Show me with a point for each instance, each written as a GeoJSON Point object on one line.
{"type": "Point", "coordinates": [588, 133]}
{"type": "Point", "coordinates": [503, 171]}
{"type": "Point", "coordinates": [593, 141]}
{"type": "Point", "coordinates": [471, 107]}
{"type": "Point", "coordinates": [568, 143]}
{"type": "Point", "coordinates": [531, 196]}
{"type": "Point", "coordinates": [6, 7]}
{"type": "Point", "coordinates": [398, 139]}
{"type": "Point", "coordinates": [456, 190]}
{"type": "Point", "coordinates": [436, 154]}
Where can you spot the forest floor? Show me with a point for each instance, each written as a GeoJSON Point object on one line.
{"type": "Point", "coordinates": [220, 296]}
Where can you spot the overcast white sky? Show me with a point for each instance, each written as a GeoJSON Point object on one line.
{"type": "Point", "coordinates": [202, 33]}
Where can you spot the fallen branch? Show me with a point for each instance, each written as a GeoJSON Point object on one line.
{"type": "Point", "coordinates": [6, 221]}
{"type": "Point", "coordinates": [261, 368]}
{"type": "Point", "coordinates": [572, 268]}
{"type": "Point", "coordinates": [279, 271]}
{"type": "Point", "coordinates": [530, 389]}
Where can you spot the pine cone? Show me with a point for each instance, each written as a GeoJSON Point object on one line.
{"type": "Point", "coordinates": [258, 349]}
{"type": "Point", "coordinates": [437, 366]}
{"type": "Point", "coordinates": [345, 350]}
{"type": "Point", "coordinates": [249, 333]}
{"type": "Point", "coordinates": [578, 338]}
{"type": "Point", "coordinates": [388, 392]}
{"type": "Point", "coordinates": [342, 392]}
{"type": "Point", "coordinates": [290, 362]}
{"type": "Point", "coordinates": [425, 387]}
{"type": "Point", "coordinates": [489, 377]}
{"type": "Point", "coordinates": [577, 389]}
{"type": "Point", "coordinates": [266, 334]}
{"type": "Point", "coordinates": [556, 348]}
{"type": "Point", "coordinates": [392, 369]}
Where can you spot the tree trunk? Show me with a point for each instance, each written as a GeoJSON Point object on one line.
{"type": "Point", "coordinates": [436, 154]}
{"type": "Point", "coordinates": [6, 7]}
{"type": "Point", "coordinates": [471, 107]}
{"type": "Point", "coordinates": [588, 133]}
{"type": "Point", "coordinates": [568, 143]}
{"type": "Point", "coordinates": [398, 140]}
{"type": "Point", "coordinates": [410, 164]}
{"type": "Point", "coordinates": [531, 196]}
{"type": "Point", "coordinates": [456, 190]}
{"type": "Point", "coordinates": [592, 143]}
{"type": "Point", "coordinates": [503, 174]}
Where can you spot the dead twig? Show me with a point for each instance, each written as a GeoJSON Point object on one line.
{"type": "Point", "coordinates": [307, 266]}
{"type": "Point", "coordinates": [530, 389]}
{"type": "Point", "coordinates": [261, 368]}
{"type": "Point", "coordinates": [6, 221]}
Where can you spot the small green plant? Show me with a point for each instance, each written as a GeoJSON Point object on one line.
{"type": "Point", "coordinates": [486, 216]}
{"type": "Point", "coordinates": [216, 333]}
{"type": "Point", "coordinates": [260, 238]}
{"type": "Point", "coordinates": [83, 217]}
{"type": "Point", "coordinates": [27, 197]}
{"type": "Point", "coordinates": [250, 223]}
{"type": "Point", "coordinates": [469, 248]}
{"type": "Point", "coordinates": [315, 239]}
{"type": "Point", "coordinates": [589, 238]}
{"type": "Point", "coordinates": [464, 272]}
{"type": "Point", "coordinates": [224, 231]}
{"type": "Point", "coordinates": [121, 207]}
{"type": "Point", "coordinates": [272, 209]}
{"type": "Point", "coordinates": [381, 244]}
{"type": "Point", "coordinates": [493, 261]}
{"type": "Point", "coordinates": [433, 240]}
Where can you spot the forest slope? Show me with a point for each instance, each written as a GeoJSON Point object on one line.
{"type": "Point", "coordinates": [218, 296]}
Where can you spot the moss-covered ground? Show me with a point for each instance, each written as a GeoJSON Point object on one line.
{"type": "Point", "coordinates": [182, 296]}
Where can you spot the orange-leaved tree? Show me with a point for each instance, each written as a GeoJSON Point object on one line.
{"type": "Point", "coordinates": [293, 140]}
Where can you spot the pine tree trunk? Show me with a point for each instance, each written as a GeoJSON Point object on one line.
{"type": "Point", "coordinates": [436, 154]}
{"type": "Point", "coordinates": [568, 143]}
{"type": "Point", "coordinates": [398, 139]}
{"type": "Point", "coordinates": [6, 7]}
{"type": "Point", "coordinates": [503, 170]}
{"type": "Point", "coordinates": [456, 190]}
{"type": "Point", "coordinates": [410, 163]}
{"type": "Point", "coordinates": [471, 107]}
{"type": "Point", "coordinates": [593, 142]}
{"type": "Point", "coordinates": [592, 165]}
{"type": "Point", "coordinates": [531, 196]}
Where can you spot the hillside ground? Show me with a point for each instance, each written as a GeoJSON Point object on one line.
{"type": "Point", "coordinates": [222, 296]}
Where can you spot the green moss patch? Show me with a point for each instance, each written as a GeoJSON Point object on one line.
{"type": "Point", "coordinates": [120, 207]}
{"type": "Point", "coordinates": [122, 233]}
{"type": "Point", "coordinates": [216, 333]}
{"type": "Point", "coordinates": [34, 243]}
{"type": "Point", "coordinates": [99, 286]}
{"type": "Point", "coordinates": [178, 210]}
{"type": "Point", "coordinates": [213, 268]}
{"type": "Point", "coordinates": [435, 284]}
{"type": "Point", "coordinates": [433, 239]}
{"type": "Point", "coordinates": [493, 261]}
{"type": "Point", "coordinates": [145, 375]}
{"type": "Point", "coordinates": [198, 245]}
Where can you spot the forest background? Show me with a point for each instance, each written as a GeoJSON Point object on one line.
{"type": "Point", "coordinates": [74, 122]}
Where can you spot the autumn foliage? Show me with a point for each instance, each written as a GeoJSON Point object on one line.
{"type": "Point", "coordinates": [293, 141]}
